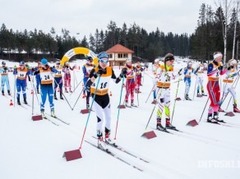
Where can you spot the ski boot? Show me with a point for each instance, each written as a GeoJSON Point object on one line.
{"type": "Point", "coordinates": [187, 97]}
{"type": "Point", "coordinates": [169, 125]}
{"type": "Point", "coordinates": [43, 114]}
{"type": "Point", "coordinates": [159, 125]}
{"type": "Point", "coordinates": [107, 137]}
{"type": "Point", "coordinates": [61, 95]}
{"type": "Point", "coordinates": [216, 117]}
{"type": "Point", "coordinates": [101, 144]}
{"type": "Point", "coordinates": [53, 113]}
{"type": "Point", "coordinates": [199, 95]}
{"type": "Point", "coordinates": [203, 94]}
{"type": "Point", "coordinates": [235, 109]}
{"type": "Point", "coordinates": [126, 104]}
{"type": "Point", "coordinates": [55, 96]}
{"type": "Point", "coordinates": [25, 100]}
{"type": "Point", "coordinates": [133, 105]}
{"type": "Point", "coordinates": [87, 106]}
{"type": "Point", "coordinates": [210, 118]}
{"type": "Point", "coordinates": [9, 93]}
{"type": "Point", "coordinates": [3, 93]}
{"type": "Point", "coordinates": [18, 101]}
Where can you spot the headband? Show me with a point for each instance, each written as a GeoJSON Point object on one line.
{"type": "Point", "coordinates": [217, 55]}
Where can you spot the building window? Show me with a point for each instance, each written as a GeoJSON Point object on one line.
{"type": "Point", "coordinates": [122, 55]}
{"type": "Point", "coordinates": [110, 55]}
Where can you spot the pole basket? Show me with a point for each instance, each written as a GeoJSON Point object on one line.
{"type": "Point", "coordinates": [84, 111]}
{"type": "Point", "coordinates": [149, 135]}
{"type": "Point", "coordinates": [121, 106]}
{"type": "Point", "coordinates": [178, 99]}
{"type": "Point", "coordinates": [230, 114]}
{"type": "Point", "coordinates": [192, 123]}
{"type": "Point", "coordinates": [154, 102]}
{"type": "Point", "coordinates": [72, 155]}
{"type": "Point", "coordinates": [37, 118]}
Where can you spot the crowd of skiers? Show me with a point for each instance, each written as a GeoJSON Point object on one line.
{"type": "Point", "coordinates": [48, 81]}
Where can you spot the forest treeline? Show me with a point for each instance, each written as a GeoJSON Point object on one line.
{"type": "Point", "coordinates": [207, 38]}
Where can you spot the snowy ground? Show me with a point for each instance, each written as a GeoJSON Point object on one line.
{"type": "Point", "coordinates": [34, 149]}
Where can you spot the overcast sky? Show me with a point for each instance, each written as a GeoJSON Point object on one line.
{"type": "Point", "coordinates": [84, 17]}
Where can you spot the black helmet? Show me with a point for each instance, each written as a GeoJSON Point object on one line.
{"type": "Point", "coordinates": [89, 58]}
{"type": "Point", "coordinates": [168, 57]}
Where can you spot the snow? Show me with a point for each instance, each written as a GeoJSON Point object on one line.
{"type": "Point", "coordinates": [34, 149]}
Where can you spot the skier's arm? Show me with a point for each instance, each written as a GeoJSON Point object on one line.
{"type": "Point", "coordinates": [210, 70]}
{"type": "Point", "coordinates": [84, 70]}
{"type": "Point", "coordinates": [118, 79]}
{"type": "Point", "coordinates": [15, 71]}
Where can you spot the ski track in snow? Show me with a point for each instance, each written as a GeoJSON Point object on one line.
{"type": "Point", "coordinates": [34, 149]}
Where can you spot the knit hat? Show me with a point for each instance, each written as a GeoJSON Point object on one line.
{"type": "Point", "coordinates": [168, 57]}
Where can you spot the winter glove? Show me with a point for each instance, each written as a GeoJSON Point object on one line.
{"type": "Point", "coordinates": [180, 72]}
{"type": "Point", "coordinates": [123, 73]}
{"type": "Point", "coordinates": [220, 68]}
{"type": "Point", "coordinates": [88, 85]}
{"type": "Point", "coordinates": [101, 71]}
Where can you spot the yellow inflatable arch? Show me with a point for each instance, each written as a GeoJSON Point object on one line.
{"type": "Point", "coordinates": [79, 50]}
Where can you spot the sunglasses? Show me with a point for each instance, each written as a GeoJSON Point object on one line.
{"type": "Point", "coordinates": [103, 60]}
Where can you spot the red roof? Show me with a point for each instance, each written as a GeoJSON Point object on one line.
{"type": "Point", "coordinates": [118, 48]}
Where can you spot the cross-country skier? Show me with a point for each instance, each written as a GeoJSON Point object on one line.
{"type": "Point", "coordinates": [86, 69]}
{"type": "Point", "coordinates": [21, 81]}
{"type": "Point", "coordinates": [214, 70]}
{"type": "Point", "coordinates": [200, 77]}
{"type": "Point", "coordinates": [130, 82]}
{"type": "Point", "coordinates": [188, 71]}
{"type": "Point", "coordinates": [46, 77]}
{"type": "Point", "coordinates": [163, 83]}
{"type": "Point", "coordinates": [156, 71]}
{"type": "Point", "coordinates": [228, 87]}
{"type": "Point", "coordinates": [58, 81]}
{"type": "Point", "coordinates": [98, 84]}
{"type": "Point", "coordinates": [138, 77]}
{"type": "Point", "coordinates": [67, 77]}
{"type": "Point", "coordinates": [4, 78]}
{"type": "Point", "coordinates": [37, 77]}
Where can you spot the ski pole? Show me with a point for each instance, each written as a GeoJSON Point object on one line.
{"type": "Point", "coordinates": [203, 110]}
{"type": "Point", "coordinates": [85, 128]}
{"type": "Point", "coordinates": [67, 101]}
{"type": "Point", "coordinates": [32, 102]}
{"type": "Point", "coordinates": [118, 113]}
{"type": "Point", "coordinates": [225, 96]}
{"type": "Point", "coordinates": [234, 86]}
{"type": "Point", "coordinates": [77, 99]}
{"type": "Point", "coordinates": [150, 117]}
{"type": "Point", "coordinates": [154, 85]}
{"type": "Point", "coordinates": [35, 89]}
{"type": "Point", "coordinates": [75, 78]}
{"type": "Point", "coordinates": [63, 94]}
{"type": "Point", "coordinates": [195, 87]}
{"type": "Point", "coordinates": [14, 88]}
{"type": "Point", "coordinates": [76, 87]}
{"type": "Point", "coordinates": [206, 105]}
{"type": "Point", "coordinates": [174, 104]}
